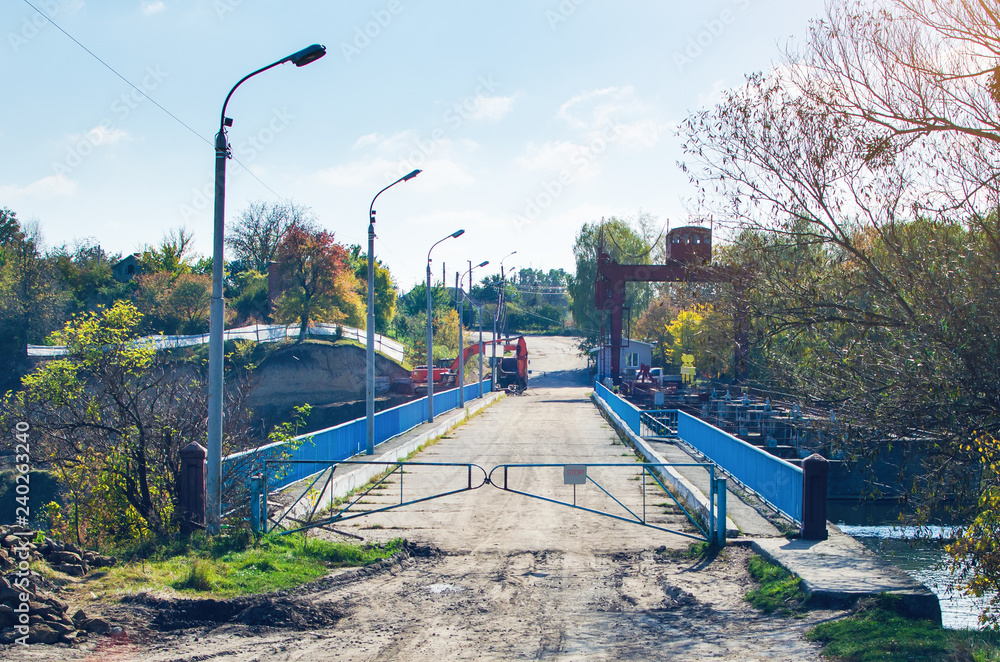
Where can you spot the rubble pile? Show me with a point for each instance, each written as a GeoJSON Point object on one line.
{"type": "Point", "coordinates": [29, 610]}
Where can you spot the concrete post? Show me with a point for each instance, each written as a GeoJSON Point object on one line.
{"type": "Point", "coordinates": [815, 470]}
{"type": "Point", "coordinates": [193, 487]}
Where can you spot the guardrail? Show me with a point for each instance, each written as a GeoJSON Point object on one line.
{"type": "Point", "coordinates": [658, 423]}
{"type": "Point", "coordinates": [340, 442]}
{"type": "Point", "coordinates": [775, 481]}
{"type": "Point", "coordinates": [257, 333]}
{"type": "Point", "coordinates": [626, 411]}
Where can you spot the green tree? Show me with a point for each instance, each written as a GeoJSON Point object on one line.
{"type": "Point", "coordinates": [626, 244]}
{"type": "Point", "coordinates": [172, 256]}
{"type": "Point", "coordinates": [111, 417]}
{"type": "Point", "coordinates": [386, 292]}
{"type": "Point", "coordinates": [31, 300]}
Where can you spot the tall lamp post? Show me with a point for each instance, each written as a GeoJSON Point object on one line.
{"type": "Point", "coordinates": [370, 326]}
{"type": "Point", "coordinates": [213, 506]}
{"type": "Point", "coordinates": [430, 331]}
{"type": "Point", "coordinates": [461, 336]}
{"type": "Point", "coordinates": [496, 318]}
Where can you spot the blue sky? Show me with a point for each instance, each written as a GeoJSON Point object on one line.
{"type": "Point", "coordinates": [528, 118]}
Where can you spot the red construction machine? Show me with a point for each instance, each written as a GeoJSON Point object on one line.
{"type": "Point", "coordinates": [512, 372]}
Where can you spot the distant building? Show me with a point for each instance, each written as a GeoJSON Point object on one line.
{"type": "Point", "coordinates": [127, 269]}
{"type": "Point", "coordinates": [633, 354]}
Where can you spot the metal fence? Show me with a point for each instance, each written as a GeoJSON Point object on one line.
{"type": "Point", "coordinates": [658, 423]}
{"type": "Point", "coordinates": [257, 333]}
{"type": "Point", "coordinates": [774, 480]}
{"type": "Point", "coordinates": [626, 411]}
{"type": "Point", "coordinates": [341, 441]}
{"type": "Point", "coordinates": [777, 482]}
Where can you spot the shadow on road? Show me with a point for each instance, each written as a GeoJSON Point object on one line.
{"type": "Point", "coordinates": [558, 379]}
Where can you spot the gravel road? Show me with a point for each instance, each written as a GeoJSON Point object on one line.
{"type": "Point", "coordinates": [500, 576]}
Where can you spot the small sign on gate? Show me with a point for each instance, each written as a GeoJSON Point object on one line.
{"type": "Point", "coordinates": [574, 474]}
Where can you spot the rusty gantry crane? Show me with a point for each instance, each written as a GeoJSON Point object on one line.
{"type": "Point", "coordinates": [688, 260]}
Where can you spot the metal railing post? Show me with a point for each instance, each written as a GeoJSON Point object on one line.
{"type": "Point", "coordinates": [721, 527]}
{"type": "Point", "coordinates": [255, 486]}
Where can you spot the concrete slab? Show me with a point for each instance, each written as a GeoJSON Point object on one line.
{"type": "Point", "coordinates": [839, 571]}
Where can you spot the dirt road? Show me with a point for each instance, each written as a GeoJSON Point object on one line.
{"type": "Point", "coordinates": [506, 577]}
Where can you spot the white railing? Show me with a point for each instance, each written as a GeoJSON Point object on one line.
{"type": "Point", "coordinates": [257, 333]}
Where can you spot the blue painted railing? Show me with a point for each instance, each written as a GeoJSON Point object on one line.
{"type": "Point", "coordinates": [626, 411]}
{"type": "Point", "coordinates": [774, 480]}
{"type": "Point", "coordinates": [345, 440]}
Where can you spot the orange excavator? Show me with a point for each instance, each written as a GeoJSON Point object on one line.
{"type": "Point", "coordinates": [512, 372]}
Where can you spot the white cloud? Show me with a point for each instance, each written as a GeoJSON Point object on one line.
{"type": "Point", "coordinates": [152, 7]}
{"type": "Point", "coordinates": [617, 109]}
{"type": "Point", "coordinates": [493, 108]}
{"type": "Point", "coordinates": [47, 187]}
{"type": "Point", "coordinates": [548, 155]}
{"type": "Point", "coordinates": [714, 96]}
{"type": "Point", "coordinates": [101, 135]}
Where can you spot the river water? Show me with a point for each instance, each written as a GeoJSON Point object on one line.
{"type": "Point", "coordinates": [923, 558]}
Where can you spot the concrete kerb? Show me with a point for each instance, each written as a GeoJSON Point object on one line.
{"type": "Point", "coordinates": [692, 497]}
{"type": "Point", "coordinates": [357, 476]}
{"type": "Point", "coordinates": [839, 571]}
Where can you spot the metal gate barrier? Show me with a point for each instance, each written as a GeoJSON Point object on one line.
{"type": "Point", "coordinates": [579, 474]}
{"type": "Point", "coordinates": [259, 519]}
{"type": "Point", "coordinates": [573, 474]}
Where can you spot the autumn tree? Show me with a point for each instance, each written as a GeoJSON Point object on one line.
{"type": "Point", "coordinates": [318, 284]}
{"type": "Point", "coordinates": [259, 229]}
{"type": "Point", "coordinates": [861, 178]}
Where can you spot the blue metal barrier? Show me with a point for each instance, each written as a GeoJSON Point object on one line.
{"type": "Point", "coordinates": [774, 480]}
{"type": "Point", "coordinates": [626, 411]}
{"type": "Point", "coordinates": [342, 441]}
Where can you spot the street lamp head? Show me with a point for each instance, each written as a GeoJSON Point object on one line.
{"type": "Point", "coordinates": [482, 264]}
{"type": "Point", "coordinates": [413, 174]}
{"type": "Point", "coordinates": [457, 233]}
{"type": "Point", "coordinates": [307, 55]}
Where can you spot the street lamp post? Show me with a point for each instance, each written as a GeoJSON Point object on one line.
{"type": "Point", "coordinates": [370, 327]}
{"type": "Point", "coordinates": [496, 318]}
{"type": "Point", "coordinates": [461, 335]}
{"type": "Point", "coordinates": [430, 331]}
{"type": "Point", "coordinates": [213, 480]}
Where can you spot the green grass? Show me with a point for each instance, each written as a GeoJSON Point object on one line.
{"type": "Point", "coordinates": [229, 566]}
{"type": "Point", "coordinates": [877, 631]}
{"type": "Point", "coordinates": [778, 591]}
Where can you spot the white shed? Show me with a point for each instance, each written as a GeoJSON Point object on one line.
{"type": "Point", "coordinates": [633, 354]}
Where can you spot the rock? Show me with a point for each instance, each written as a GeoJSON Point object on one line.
{"type": "Point", "coordinates": [6, 563]}
{"type": "Point", "coordinates": [9, 541]}
{"type": "Point", "coordinates": [56, 558]}
{"type": "Point", "coordinates": [61, 628]}
{"type": "Point", "coordinates": [70, 547]}
{"type": "Point", "coordinates": [79, 617]}
{"type": "Point", "coordinates": [11, 594]}
{"type": "Point", "coordinates": [72, 569]}
{"type": "Point", "coordinates": [96, 626]}
{"type": "Point", "coordinates": [8, 635]}
{"type": "Point", "coordinates": [43, 634]}
{"type": "Point", "coordinates": [7, 617]}
{"type": "Point", "coordinates": [41, 609]}
{"type": "Point", "coordinates": [90, 557]}
{"type": "Point", "coordinates": [57, 604]}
